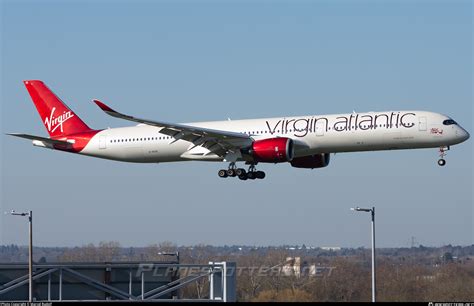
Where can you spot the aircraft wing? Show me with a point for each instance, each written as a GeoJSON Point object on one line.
{"type": "Point", "coordinates": [218, 142]}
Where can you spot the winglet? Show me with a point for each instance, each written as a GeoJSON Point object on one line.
{"type": "Point", "coordinates": [103, 107]}
{"type": "Point", "coordinates": [111, 112]}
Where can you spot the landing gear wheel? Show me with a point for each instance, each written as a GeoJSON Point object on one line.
{"type": "Point", "coordinates": [231, 172]}
{"type": "Point", "coordinates": [222, 173]}
{"type": "Point", "coordinates": [260, 174]}
{"type": "Point", "coordinates": [441, 162]}
{"type": "Point", "coordinates": [240, 171]}
{"type": "Point", "coordinates": [243, 176]}
{"type": "Point", "coordinates": [251, 175]}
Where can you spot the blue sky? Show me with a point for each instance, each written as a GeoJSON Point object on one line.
{"type": "Point", "coordinates": [185, 61]}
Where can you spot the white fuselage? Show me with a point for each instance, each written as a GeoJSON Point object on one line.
{"type": "Point", "coordinates": [311, 135]}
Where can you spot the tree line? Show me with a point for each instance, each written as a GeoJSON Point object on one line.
{"type": "Point", "coordinates": [266, 274]}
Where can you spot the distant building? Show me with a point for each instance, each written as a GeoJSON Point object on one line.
{"type": "Point", "coordinates": [331, 248]}
{"type": "Point", "coordinates": [294, 266]}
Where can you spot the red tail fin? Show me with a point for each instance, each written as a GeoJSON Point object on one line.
{"type": "Point", "coordinates": [58, 119]}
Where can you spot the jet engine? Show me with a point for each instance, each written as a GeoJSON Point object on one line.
{"type": "Point", "coordinates": [273, 150]}
{"type": "Point", "coordinates": [311, 161]}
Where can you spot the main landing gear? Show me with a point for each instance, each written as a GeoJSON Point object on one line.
{"type": "Point", "coordinates": [442, 154]}
{"type": "Point", "coordinates": [233, 171]}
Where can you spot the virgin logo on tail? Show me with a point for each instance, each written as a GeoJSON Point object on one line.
{"type": "Point", "coordinates": [52, 123]}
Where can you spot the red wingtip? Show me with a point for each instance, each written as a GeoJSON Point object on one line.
{"type": "Point", "coordinates": [103, 107]}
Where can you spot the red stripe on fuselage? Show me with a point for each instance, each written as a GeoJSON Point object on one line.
{"type": "Point", "coordinates": [80, 141]}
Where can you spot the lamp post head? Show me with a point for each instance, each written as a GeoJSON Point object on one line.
{"type": "Point", "coordinates": [14, 213]}
{"type": "Point", "coordinates": [168, 253]}
{"type": "Point", "coordinates": [361, 209]}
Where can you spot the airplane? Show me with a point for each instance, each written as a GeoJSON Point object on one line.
{"type": "Point", "coordinates": [302, 141]}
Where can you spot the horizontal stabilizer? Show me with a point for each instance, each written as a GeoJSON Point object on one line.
{"type": "Point", "coordinates": [42, 139]}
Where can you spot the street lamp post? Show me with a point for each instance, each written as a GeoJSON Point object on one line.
{"type": "Point", "coordinates": [170, 254]}
{"type": "Point", "coordinates": [30, 249]}
{"type": "Point", "coordinates": [372, 212]}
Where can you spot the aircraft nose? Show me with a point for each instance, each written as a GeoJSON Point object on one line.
{"type": "Point", "coordinates": [463, 134]}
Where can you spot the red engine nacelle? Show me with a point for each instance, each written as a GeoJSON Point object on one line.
{"type": "Point", "coordinates": [311, 161]}
{"type": "Point", "coordinates": [273, 150]}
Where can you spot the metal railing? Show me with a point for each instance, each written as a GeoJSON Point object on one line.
{"type": "Point", "coordinates": [116, 281]}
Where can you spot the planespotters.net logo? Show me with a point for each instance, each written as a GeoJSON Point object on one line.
{"type": "Point", "coordinates": [52, 123]}
{"type": "Point", "coordinates": [450, 304]}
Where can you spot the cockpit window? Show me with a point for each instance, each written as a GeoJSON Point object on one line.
{"type": "Point", "coordinates": [449, 122]}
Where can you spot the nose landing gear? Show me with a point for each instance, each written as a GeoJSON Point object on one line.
{"type": "Point", "coordinates": [243, 175]}
{"type": "Point", "coordinates": [442, 154]}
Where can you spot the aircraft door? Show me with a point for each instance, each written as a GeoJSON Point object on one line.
{"type": "Point", "coordinates": [422, 124]}
{"type": "Point", "coordinates": [320, 128]}
{"type": "Point", "coordinates": [102, 142]}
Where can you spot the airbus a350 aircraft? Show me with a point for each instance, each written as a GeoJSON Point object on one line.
{"type": "Point", "coordinates": [304, 142]}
